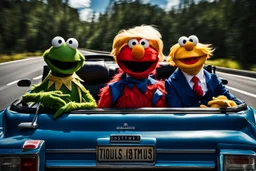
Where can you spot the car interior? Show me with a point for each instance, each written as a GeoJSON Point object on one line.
{"type": "Point", "coordinates": [99, 69]}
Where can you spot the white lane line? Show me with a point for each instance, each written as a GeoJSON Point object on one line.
{"type": "Point", "coordinates": [38, 77]}
{"type": "Point", "coordinates": [3, 87]}
{"type": "Point", "coordinates": [241, 91]}
{"type": "Point", "coordinates": [13, 82]}
{"type": "Point", "coordinates": [20, 60]}
{"type": "Point", "coordinates": [238, 76]}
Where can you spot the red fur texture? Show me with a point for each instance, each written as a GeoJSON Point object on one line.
{"type": "Point", "coordinates": [131, 98]}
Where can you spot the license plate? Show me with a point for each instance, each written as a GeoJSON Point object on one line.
{"type": "Point", "coordinates": [125, 154]}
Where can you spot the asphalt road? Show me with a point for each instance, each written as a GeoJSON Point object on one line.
{"type": "Point", "coordinates": [242, 87]}
{"type": "Point", "coordinates": [10, 72]}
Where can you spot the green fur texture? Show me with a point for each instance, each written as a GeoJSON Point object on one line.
{"type": "Point", "coordinates": [63, 99]}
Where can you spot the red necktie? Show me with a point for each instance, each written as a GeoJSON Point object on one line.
{"type": "Point", "coordinates": [197, 88]}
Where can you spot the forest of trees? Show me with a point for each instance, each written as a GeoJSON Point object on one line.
{"type": "Point", "coordinates": [229, 25]}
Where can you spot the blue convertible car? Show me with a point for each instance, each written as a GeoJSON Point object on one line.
{"type": "Point", "coordinates": [126, 139]}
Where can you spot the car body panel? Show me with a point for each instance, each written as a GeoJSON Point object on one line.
{"type": "Point", "coordinates": [180, 140]}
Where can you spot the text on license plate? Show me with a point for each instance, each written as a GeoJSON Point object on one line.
{"type": "Point", "coordinates": [117, 153]}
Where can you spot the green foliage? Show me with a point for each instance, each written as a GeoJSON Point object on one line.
{"type": "Point", "coordinates": [227, 63]}
{"type": "Point", "coordinates": [229, 25]}
{"type": "Point", "coordinates": [18, 56]}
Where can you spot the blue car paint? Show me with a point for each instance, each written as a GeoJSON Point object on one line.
{"type": "Point", "coordinates": [180, 140]}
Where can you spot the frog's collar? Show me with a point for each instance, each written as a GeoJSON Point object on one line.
{"type": "Point", "coordinates": [67, 81]}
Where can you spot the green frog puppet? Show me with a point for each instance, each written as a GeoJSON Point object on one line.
{"type": "Point", "coordinates": [62, 90]}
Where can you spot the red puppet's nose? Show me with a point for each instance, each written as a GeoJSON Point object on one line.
{"type": "Point", "coordinates": [138, 52]}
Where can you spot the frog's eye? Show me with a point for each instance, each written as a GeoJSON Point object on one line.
{"type": "Point", "coordinates": [144, 43]}
{"type": "Point", "coordinates": [193, 39]}
{"type": "Point", "coordinates": [182, 40]}
{"type": "Point", "coordinates": [132, 43]}
{"type": "Point", "coordinates": [57, 41]}
{"type": "Point", "coordinates": [72, 42]}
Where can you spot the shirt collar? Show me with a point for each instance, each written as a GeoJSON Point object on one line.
{"type": "Point", "coordinates": [200, 75]}
{"type": "Point", "coordinates": [59, 81]}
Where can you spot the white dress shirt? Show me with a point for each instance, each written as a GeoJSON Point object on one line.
{"type": "Point", "coordinates": [201, 81]}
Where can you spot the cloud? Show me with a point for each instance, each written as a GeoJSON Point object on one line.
{"type": "Point", "coordinates": [87, 15]}
{"type": "Point", "coordinates": [85, 11]}
{"type": "Point", "coordinates": [79, 3]}
{"type": "Point", "coordinates": [145, 1]}
{"type": "Point", "coordinates": [171, 4]}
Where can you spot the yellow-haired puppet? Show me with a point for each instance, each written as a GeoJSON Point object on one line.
{"type": "Point", "coordinates": [191, 85]}
{"type": "Point", "coordinates": [137, 52]}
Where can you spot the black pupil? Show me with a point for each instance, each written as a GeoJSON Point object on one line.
{"type": "Point", "coordinates": [70, 42]}
{"type": "Point", "coordinates": [59, 41]}
{"type": "Point", "coordinates": [143, 43]}
{"type": "Point", "coordinates": [133, 43]}
{"type": "Point", "coordinates": [191, 40]}
{"type": "Point", "coordinates": [184, 41]}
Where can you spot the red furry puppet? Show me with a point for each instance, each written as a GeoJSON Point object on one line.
{"type": "Point", "coordinates": [137, 51]}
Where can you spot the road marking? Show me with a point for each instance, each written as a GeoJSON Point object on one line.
{"type": "Point", "coordinates": [38, 77]}
{"type": "Point", "coordinates": [241, 91]}
{"type": "Point", "coordinates": [3, 87]}
{"type": "Point", "coordinates": [239, 76]}
{"type": "Point", "coordinates": [13, 82]}
{"type": "Point", "coordinates": [20, 60]}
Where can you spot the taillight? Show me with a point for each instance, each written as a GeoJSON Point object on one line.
{"type": "Point", "coordinates": [31, 144]}
{"type": "Point", "coordinates": [28, 164]}
{"type": "Point", "coordinates": [239, 162]}
{"type": "Point", "coordinates": [19, 163]}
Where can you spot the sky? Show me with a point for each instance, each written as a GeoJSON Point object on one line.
{"type": "Point", "coordinates": [87, 7]}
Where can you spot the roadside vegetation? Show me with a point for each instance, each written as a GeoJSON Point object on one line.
{"type": "Point", "coordinates": [228, 63]}
{"type": "Point", "coordinates": [18, 56]}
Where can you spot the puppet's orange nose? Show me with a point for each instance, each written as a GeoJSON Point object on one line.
{"type": "Point", "coordinates": [189, 46]}
{"type": "Point", "coordinates": [138, 52]}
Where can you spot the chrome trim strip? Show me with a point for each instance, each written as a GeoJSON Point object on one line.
{"type": "Point", "coordinates": [71, 150]}
{"type": "Point", "coordinates": [182, 151]}
{"type": "Point", "coordinates": [151, 111]}
{"type": "Point", "coordinates": [159, 151]}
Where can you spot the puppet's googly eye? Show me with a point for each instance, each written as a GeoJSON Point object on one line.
{"type": "Point", "coordinates": [144, 43]}
{"type": "Point", "coordinates": [72, 42]}
{"type": "Point", "coordinates": [57, 41]}
{"type": "Point", "coordinates": [193, 39]}
{"type": "Point", "coordinates": [132, 43]}
{"type": "Point", "coordinates": [182, 40]}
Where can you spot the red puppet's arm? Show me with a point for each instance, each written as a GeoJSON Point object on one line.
{"type": "Point", "coordinates": [105, 100]}
{"type": "Point", "coordinates": [161, 102]}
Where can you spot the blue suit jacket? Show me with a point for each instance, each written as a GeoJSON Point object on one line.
{"type": "Point", "coordinates": [180, 94]}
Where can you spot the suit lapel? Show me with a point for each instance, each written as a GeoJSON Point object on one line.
{"type": "Point", "coordinates": [181, 84]}
{"type": "Point", "coordinates": [208, 80]}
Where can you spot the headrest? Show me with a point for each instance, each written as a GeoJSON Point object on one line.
{"type": "Point", "coordinates": [94, 72]}
{"type": "Point", "coordinates": [164, 70]}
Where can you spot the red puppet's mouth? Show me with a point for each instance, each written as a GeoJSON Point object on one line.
{"type": "Point", "coordinates": [138, 66]}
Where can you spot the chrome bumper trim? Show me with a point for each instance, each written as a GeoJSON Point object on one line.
{"type": "Point", "coordinates": [159, 151]}
{"type": "Point", "coordinates": [71, 150]}
{"type": "Point", "coordinates": [187, 151]}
